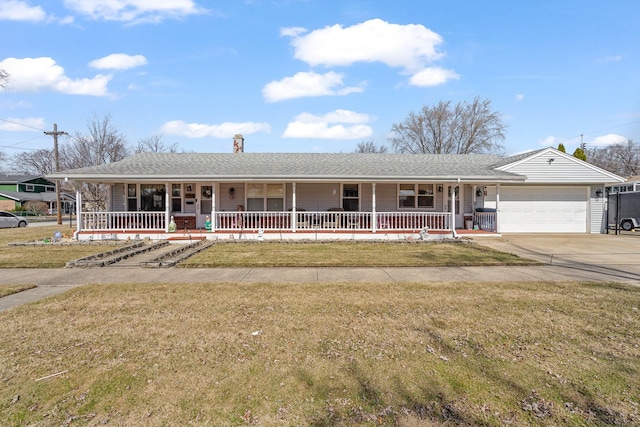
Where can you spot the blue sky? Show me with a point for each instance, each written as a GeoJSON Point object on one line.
{"type": "Point", "coordinates": [316, 75]}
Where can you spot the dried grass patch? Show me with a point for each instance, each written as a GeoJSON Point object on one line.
{"type": "Point", "coordinates": [45, 255]}
{"type": "Point", "coordinates": [325, 354]}
{"type": "Point", "coordinates": [350, 254]}
{"type": "Point", "coordinates": [13, 289]}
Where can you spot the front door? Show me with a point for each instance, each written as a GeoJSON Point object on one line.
{"type": "Point", "coordinates": [459, 215]}
{"type": "Point", "coordinates": [204, 204]}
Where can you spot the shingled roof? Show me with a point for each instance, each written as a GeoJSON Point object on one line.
{"type": "Point", "coordinates": [294, 167]}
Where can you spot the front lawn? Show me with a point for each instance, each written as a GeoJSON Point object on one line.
{"type": "Point", "coordinates": [324, 355]}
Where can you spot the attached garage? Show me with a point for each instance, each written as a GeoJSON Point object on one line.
{"type": "Point", "coordinates": [538, 209]}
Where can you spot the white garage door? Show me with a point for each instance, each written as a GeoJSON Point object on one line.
{"type": "Point", "coordinates": [543, 209]}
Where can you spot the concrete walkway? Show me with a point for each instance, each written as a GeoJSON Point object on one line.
{"type": "Point", "coordinates": [601, 258]}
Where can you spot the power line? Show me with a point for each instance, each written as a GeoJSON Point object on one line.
{"type": "Point", "coordinates": [20, 124]}
{"type": "Point", "coordinates": [601, 130]}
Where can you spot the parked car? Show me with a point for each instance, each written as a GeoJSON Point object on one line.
{"type": "Point", "coordinates": [9, 220]}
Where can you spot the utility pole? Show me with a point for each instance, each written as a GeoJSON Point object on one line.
{"type": "Point", "coordinates": [56, 157]}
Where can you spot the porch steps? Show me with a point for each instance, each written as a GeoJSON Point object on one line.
{"type": "Point", "coordinates": [107, 258]}
{"type": "Point", "coordinates": [179, 253]}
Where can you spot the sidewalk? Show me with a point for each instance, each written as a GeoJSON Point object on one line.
{"type": "Point", "coordinates": [54, 281]}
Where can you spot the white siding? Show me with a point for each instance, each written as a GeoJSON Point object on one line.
{"type": "Point", "coordinates": [597, 211]}
{"type": "Point", "coordinates": [225, 202]}
{"type": "Point", "coordinates": [317, 196]}
{"type": "Point", "coordinates": [552, 167]}
{"type": "Point", "coordinates": [386, 200]}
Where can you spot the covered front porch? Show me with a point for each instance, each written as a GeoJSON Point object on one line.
{"type": "Point", "coordinates": [289, 210]}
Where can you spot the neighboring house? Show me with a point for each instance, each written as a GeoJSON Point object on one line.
{"type": "Point", "coordinates": [632, 184]}
{"type": "Point", "coordinates": [340, 196]}
{"type": "Point", "coordinates": [15, 190]}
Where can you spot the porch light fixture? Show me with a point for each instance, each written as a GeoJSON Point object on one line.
{"type": "Point", "coordinates": [232, 192]}
{"type": "Point", "coordinates": [478, 192]}
{"type": "Point", "coordinates": [439, 188]}
{"type": "Point", "coordinates": [551, 160]}
{"type": "Point", "coordinates": [598, 193]}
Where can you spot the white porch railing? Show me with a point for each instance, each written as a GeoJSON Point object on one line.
{"type": "Point", "coordinates": [485, 220]}
{"type": "Point", "coordinates": [331, 221]}
{"type": "Point", "coordinates": [281, 221]}
{"type": "Point", "coordinates": [123, 220]}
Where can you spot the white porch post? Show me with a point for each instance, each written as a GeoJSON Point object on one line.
{"type": "Point", "coordinates": [374, 216]}
{"type": "Point", "coordinates": [79, 221]}
{"type": "Point", "coordinates": [294, 217]}
{"type": "Point", "coordinates": [167, 206]}
{"type": "Point", "coordinates": [213, 206]}
{"type": "Point", "coordinates": [453, 209]}
{"type": "Point", "coordinates": [497, 207]}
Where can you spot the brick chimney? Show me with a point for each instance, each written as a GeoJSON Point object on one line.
{"type": "Point", "coordinates": [238, 143]}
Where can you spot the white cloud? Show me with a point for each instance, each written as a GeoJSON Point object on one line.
{"type": "Point", "coordinates": [29, 124]}
{"type": "Point", "coordinates": [15, 10]}
{"type": "Point", "coordinates": [307, 84]}
{"type": "Point", "coordinates": [118, 61]}
{"type": "Point", "coordinates": [432, 76]}
{"type": "Point", "coordinates": [610, 139]}
{"type": "Point", "coordinates": [134, 10]}
{"type": "Point", "coordinates": [614, 58]}
{"type": "Point", "coordinates": [223, 130]}
{"type": "Point", "coordinates": [550, 141]}
{"type": "Point", "coordinates": [292, 31]}
{"type": "Point", "coordinates": [40, 74]}
{"type": "Point", "coordinates": [330, 126]}
{"type": "Point", "coordinates": [410, 47]}
{"type": "Point", "coordinates": [519, 97]}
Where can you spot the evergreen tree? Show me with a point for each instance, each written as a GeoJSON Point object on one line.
{"type": "Point", "coordinates": [561, 148]}
{"type": "Point", "coordinates": [580, 154]}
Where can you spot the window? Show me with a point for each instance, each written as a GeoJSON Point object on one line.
{"type": "Point", "coordinates": [29, 187]}
{"type": "Point", "coordinates": [350, 198]}
{"type": "Point", "coordinates": [412, 196]}
{"type": "Point", "coordinates": [176, 197]}
{"type": "Point", "coordinates": [260, 196]}
{"type": "Point", "coordinates": [50, 188]}
{"type": "Point", "coordinates": [152, 197]}
{"type": "Point", "coordinates": [132, 200]}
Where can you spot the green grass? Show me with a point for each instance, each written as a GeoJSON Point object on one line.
{"type": "Point", "coordinates": [325, 355]}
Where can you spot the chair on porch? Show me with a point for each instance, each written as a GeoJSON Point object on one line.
{"type": "Point", "coordinates": [301, 218]}
{"type": "Point", "coordinates": [332, 220]}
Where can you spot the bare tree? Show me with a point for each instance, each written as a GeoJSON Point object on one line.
{"type": "Point", "coordinates": [370, 147]}
{"type": "Point", "coordinates": [155, 144]}
{"type": "Point", "coordinates": [622, 159]}
{"type": "Point", "coordinates": [102, 144]}
{"type": "Point", "coordinates": [4, 78]}
{"type": "Point", "coordinates": [38, 162]}
{"type": "Point", "coordinates": [442, 129]}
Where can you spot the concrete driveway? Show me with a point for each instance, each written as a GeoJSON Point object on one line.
{"type": "Point", "coordinates": [615, 256]}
